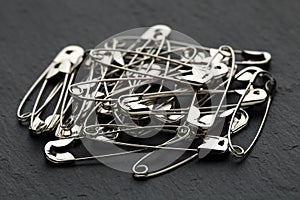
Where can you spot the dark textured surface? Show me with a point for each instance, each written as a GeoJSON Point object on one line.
{"type": "Point", "coordinates": [32, 32]}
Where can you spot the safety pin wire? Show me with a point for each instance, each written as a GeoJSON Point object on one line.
{"type": "Point", "coordinates": [131, 61]}
{"type": "Point", "coordinates": [134, 57]}
{"type": "Point", "coordinates": [62, 99]}
{"type": "Point", "coordinates": [161, 146]}
{"type": "Point", "coordinates": [64, 108]}
{"type": "Point", "coordinates": [36, 102]}
{"type": "Point", "coordinates": [80, 114]}
{"type": "Point", "coordinates": [25, 116]}
{"type": "Point", "coordinates": [167, 64]}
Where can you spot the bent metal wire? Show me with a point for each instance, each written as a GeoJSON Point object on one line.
{"type": "Point", "coordinates": [134, 85]}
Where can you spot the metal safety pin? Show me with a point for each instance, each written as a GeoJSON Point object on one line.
{"type": "Point", "coordinates": [50, 70]}
{"type": "Point", "coordinates": [226, 51]}
{"type": "Point", "coordinates": [64, 62]}
{"type": "Point", "coordinates": [254, 96]}
{"type": "Point", "coordinates": [54, 154]}
{"type": "Point", "coordinates": [56, 151]}
{"type": "Point", "coordinates": [224, 143]}
{"type": "Point", "coordinates": [211, 144]}
{"type": "Point", "coordinates": [251, 57]}
{"type": "Point", "coordinates": [270, 85]}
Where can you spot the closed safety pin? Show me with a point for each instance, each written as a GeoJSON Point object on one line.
{"type": "Point", "coordinates": [270, 85]}
{"type": "Point", "coordinates": [251, 57]}
{"type": "Point", "coordinates": [54, 153]}
{"type": "Point", "coordinates": [65, 62]}
{"type": "Point", "coordinates": [57, 151]}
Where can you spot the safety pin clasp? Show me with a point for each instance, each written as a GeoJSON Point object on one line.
{"type": "Point", "coordinates": [215, 144]}
{"type": "Point", "coordinates": [65, 61]}
{"type": "Point", "coordinates": [68, 132]}
{"type": "Point", "coordinates": [156, 32]}
{"type": "Point", "coordinates": [255, 57]}
{"type": "Point", "coordinates": [54, 154]}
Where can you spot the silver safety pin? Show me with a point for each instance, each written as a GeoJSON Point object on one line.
{"type": "Point", "coordinates": [68, 59]}
{"type": "Point", "coordinates": [65, 62]}
{"type": "Point", "coordinates": [270, 85]}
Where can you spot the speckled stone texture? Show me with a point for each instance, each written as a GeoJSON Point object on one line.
{"type": "Point", "coordinates": [31, 34]}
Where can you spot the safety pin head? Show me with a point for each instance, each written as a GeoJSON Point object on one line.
{"type": "Point", "coordinates": [213, 144]}
{"type": "Point", "coordinates": [248, 73]}
{"type": "Point", "coordinates": [71, 53]}
{"type": "Point", "coordinates": [156, 32]}
{"type": "Point", "coordinates": [72, 131]}
{"type": "Point", "coordinates": [65, 61]}
{"type": "Point", "coordinates": [255, 57]}
{"type": "Point", "coordinates": [54, 154]}
{"type": "Point", "coordinates": [253, 96]}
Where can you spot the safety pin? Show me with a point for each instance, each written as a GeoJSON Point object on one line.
{"type": "Point", "coordinates": [193, 112]}
{"type": "Point", "coordinates": [65, 62]}
{"type": "Point", "coordinates": [220, 146]}
{"type": "Point", "coordinates": [125, 67]}
{"type": "Point", "coordinates": [211, 144]}
{"type": "Point", "coordinates": [103, 80]}
{"type": "Point", "coordinates": [27, 115]}
{"type": "Point", "coordinates": [258, 57]}
{"type": "Point", "coordinates": [68, 157]}
{"type": "Point", "coordinates": [208, 107]}
{"type": "Point", "coordinates": [62, 159]}
{"type": "Point", "coordinates": [254, 96]}
{"type": "Point", "coordinates": [270, 88]}
{"type": "Point", "coordinates": [251, 57]}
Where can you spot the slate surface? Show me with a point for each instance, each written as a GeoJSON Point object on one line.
{"type": "Point", "coordinates": [32, 32]}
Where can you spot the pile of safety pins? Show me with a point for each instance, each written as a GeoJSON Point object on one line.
{"type": "Point", "coordinates": [149, 95]}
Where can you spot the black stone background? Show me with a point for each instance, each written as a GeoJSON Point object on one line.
{"type": "Point", "coordinates": [32, 32]}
